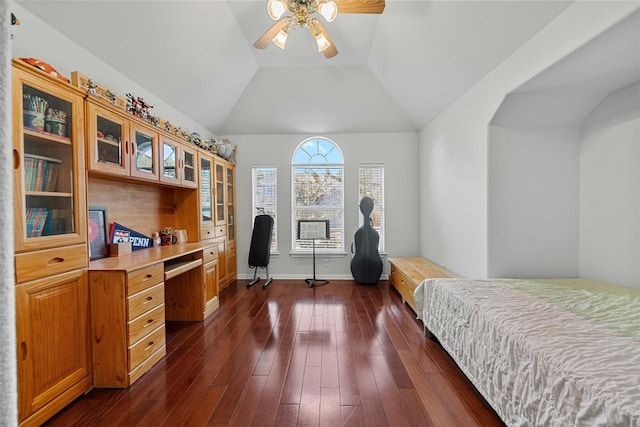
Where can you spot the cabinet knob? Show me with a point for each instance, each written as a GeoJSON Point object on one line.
{"type": "Point", "coordinates": [55, 260]}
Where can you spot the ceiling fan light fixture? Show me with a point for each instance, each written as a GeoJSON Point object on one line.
{"type": "Point", "coordinates": [280, 39]}
{"type": "Point", "coordinates": [321, 40]}
{"type": "Point", "coordinates": [276, 8]}
{"type": "Point", "coordinates": [328, 10]}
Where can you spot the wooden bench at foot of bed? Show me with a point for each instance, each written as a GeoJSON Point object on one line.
{"type": "Point", "coordinates": [407, 273]}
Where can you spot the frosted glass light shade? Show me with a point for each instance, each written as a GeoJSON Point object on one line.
{"type": "Point", "coordinates": [328, 10]}
{"type": "Point", "coordinates": [323, 43]}
{"type": "Point", "coordinates": [280, 39]}
{"type": "Point", "coordinates": [276, 8]}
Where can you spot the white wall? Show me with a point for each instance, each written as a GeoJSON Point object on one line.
{"type": "Point", "coordinates": [396, 151]}
{"type": "Point", "coordinates": [453, 148]}
{"type": "Point", "coordinates": [533, 202]}
{"type": "Point", "coordinates": [610, 190]}
{"type": "Point", "coordinates": [35, 38]}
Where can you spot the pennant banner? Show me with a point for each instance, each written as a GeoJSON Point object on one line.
{"type": "Point", "coordinates": [120, 234]}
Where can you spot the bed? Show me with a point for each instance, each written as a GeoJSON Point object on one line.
{"type": "Point", "coordinates": [562, 352]}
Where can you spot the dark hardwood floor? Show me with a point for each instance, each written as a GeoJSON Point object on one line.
{"type": "Point", "coordinates": [341, 354]}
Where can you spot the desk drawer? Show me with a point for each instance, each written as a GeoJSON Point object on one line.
{"type": "Point", "coordinates": [210, 254]}
{"type": "Point", "coordinates": [144, 278]}
{"type": "Point", "coordinates": [146, 323]}
{"type": "Point", "coordinates": [145, 300]}
{"type": "Point", "coordinates": [207, 233]}
{"type": "Point", "coordinates": [146, 347]}
{"type": "Point", "coordinates": [49, 262]}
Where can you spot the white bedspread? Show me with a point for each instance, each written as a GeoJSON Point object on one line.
{"type": "Point", "coordinates": [548, 353]}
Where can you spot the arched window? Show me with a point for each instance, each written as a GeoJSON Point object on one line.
{"type": "Point", "coordinates": [318, 192]}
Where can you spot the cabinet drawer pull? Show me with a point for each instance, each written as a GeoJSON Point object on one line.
{"type": "Point", "coordinates": [148, 276]}
{"type": "Point", "coordinates": [16, 159]}
{"type": "Point", "coordinates": [23, 348]}
{"type": "Point", "coordinates": [151, 343]}
{"type": "Point", "coordinates": [149, 298]}
{"type": "Point", "coordinates": [55, 260]}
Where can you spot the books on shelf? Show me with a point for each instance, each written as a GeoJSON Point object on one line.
{"type": "Point", "coordinates": [41, 173]}
{"type": "Point", "coordinates": [46, 222]}
{"type": "Point", "coordinates": [36, 218]}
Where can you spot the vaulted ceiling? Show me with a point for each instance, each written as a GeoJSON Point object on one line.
{"type": "Point", "coordinates": [394, 71]}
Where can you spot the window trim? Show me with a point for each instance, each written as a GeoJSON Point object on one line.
{"type": "Point", "coordinates": [254, 213]}
{"type": "Point", "coordinates": [338, 251]}
{"type": "Point", "coordinates": [382, 232]}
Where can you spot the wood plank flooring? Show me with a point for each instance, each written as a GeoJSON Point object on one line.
{"type": "Point", "coordinates": [341, 354]}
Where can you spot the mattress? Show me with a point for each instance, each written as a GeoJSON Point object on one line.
{"type": "Point", "coordinates": [560, 352]}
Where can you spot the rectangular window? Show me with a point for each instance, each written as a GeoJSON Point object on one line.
{"type": "Point", "coordinates": [265, 197]}
{"type": "Point", "coordinates": [371, 184]}
{"type": "Point", "coordinates": [318, 195]}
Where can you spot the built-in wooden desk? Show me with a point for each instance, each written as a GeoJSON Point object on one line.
{"type": "Point", "coordinates": [131, 298]}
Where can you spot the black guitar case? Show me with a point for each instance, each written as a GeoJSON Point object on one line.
{"type": "Point", "coordinates": [260, 248]}
{"type": "Point", "coordinates": [366, 264]}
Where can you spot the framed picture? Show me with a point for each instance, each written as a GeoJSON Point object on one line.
{"type": "Point", "coordinates": [97, 225]}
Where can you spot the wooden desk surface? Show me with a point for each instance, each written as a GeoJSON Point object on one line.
{"type": "Point", "coordinates": [145, 257]}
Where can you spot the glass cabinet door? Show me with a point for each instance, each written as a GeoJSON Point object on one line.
{"type": "Point", "coordinates": [170, 164]}
{"type": "Point", "coordinates": [107, 139]}
{"type": "Point", "coordinates": [178, 164]}
{"type": "Point", "coordinates": [206, 214]}
{"type": "Point", "coordinates": [219, 194]}
{"type": "Point", "coordinates": [49, 158]}
{"type": "Point", "coordinates": [231, 228]}
{"type": "Point", "coordinates": [145, 146]}
{"type": "Point", "coordinates": [189, 174]}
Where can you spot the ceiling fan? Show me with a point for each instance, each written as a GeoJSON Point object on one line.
{"type": "Point", "coordinates": [302, 14]}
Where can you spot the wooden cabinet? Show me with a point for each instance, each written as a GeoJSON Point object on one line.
{"type": "Point", "coordinates": [211, 280]}
{"type": "Point", "coordinates": [54, 364]}
{"type": "Point", "coordinates": [205, 199]}
{"type": "Point", "coordinates": [50, 244]}
{"type": "Point", "coordinates": [230, 202]}
{"type": "Point", "coordinates": [178, 163]}
{"type": "Point", "coordinates": [217, 213]}
{"type": "Point", "coordinates": [48, 147]}
{"type": "Point", "coordinates": [223, 278]}
{"type": "Point", "coordinates": [127, 323]}
{"type": "Point", "coordinates": [219, 193]}
{"type": "Point", "coordinates": [145, 143]}
{"type": "Point", "coordinates": [121, 145]}
{"type": "Point", "coordinates": [225, 230]}
{"type": "Point", "coordinates": [407, 273]}
{"type": "Point", "coordinates": [108, 141]}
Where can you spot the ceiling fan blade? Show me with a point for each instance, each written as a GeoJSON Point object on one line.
{"type": "Point", "coordinates": [360, 6]}
{"type": "Point", "coordinates": [266, 38]}
{"type": "Point", "coordinates": [331, 51]}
